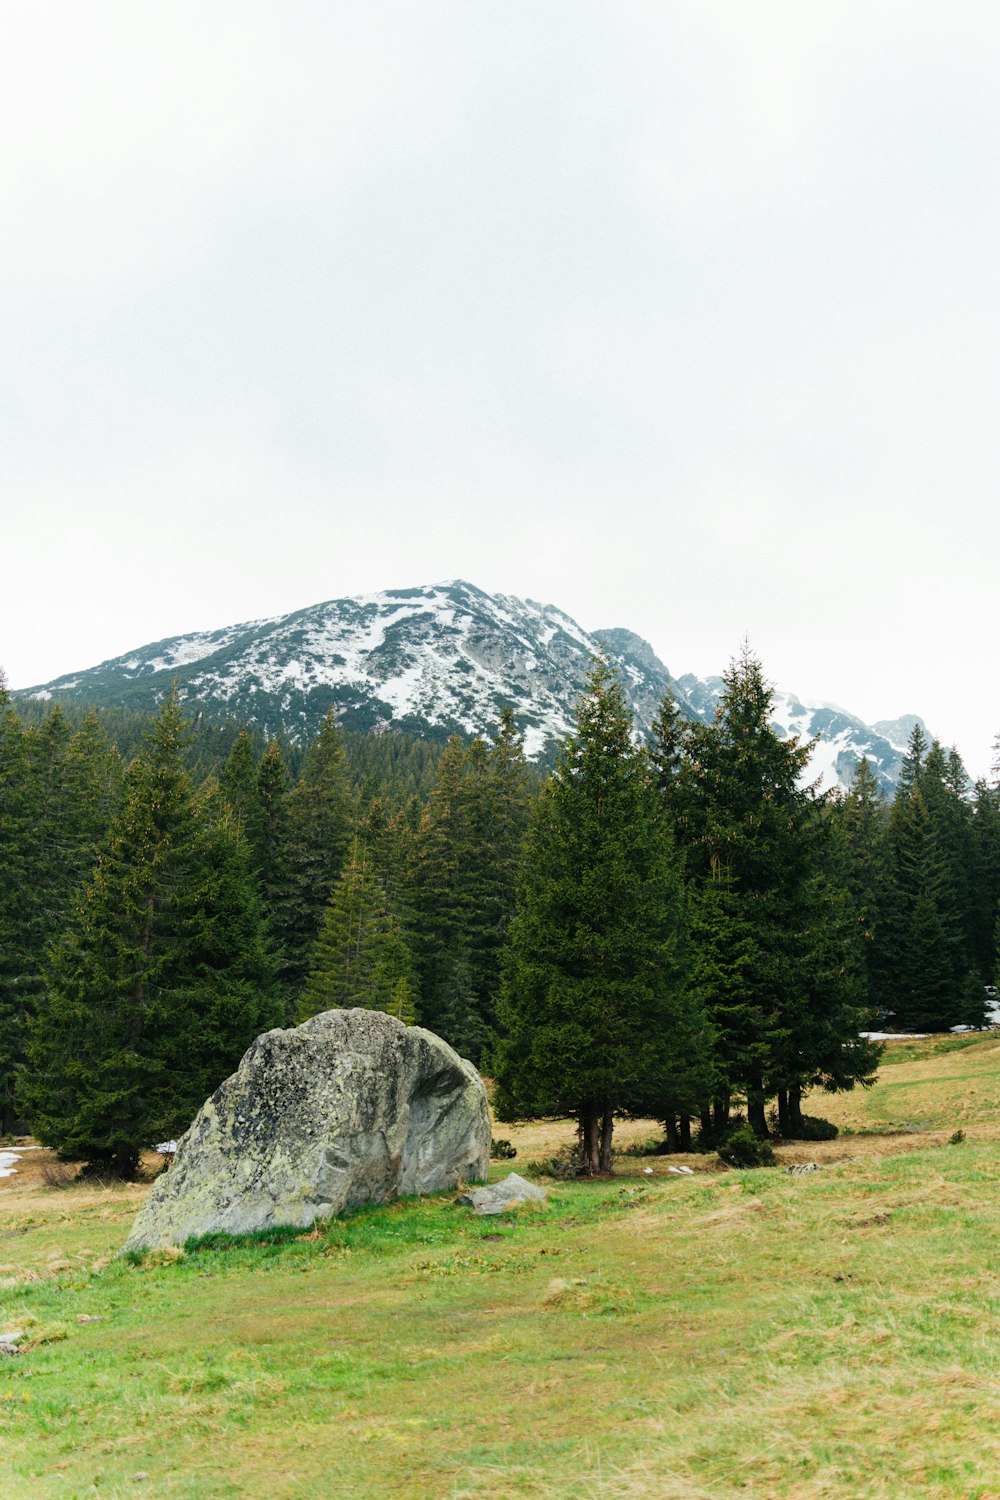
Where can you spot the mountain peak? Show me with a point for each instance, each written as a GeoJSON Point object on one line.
{"type": "Point", "coordinates": [435, 659]}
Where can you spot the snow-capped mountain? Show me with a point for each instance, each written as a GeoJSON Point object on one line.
{"type": "Point", "coordinates": [436, 660]}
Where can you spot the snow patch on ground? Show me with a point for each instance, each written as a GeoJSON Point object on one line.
{"type": "Point", "coordinates": [894, 1036]}
{"type": "Point", "coordinates": [7, 1160]}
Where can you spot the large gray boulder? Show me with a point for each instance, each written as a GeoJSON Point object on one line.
{"type": "Point", "coordinates": [350, 1107]}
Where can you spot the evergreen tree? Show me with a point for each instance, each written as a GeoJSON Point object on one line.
{"type": "Point", "coordinates": [783, 1011]}
{"type": "Point", "coordinates": [945, 789]}
{"type": "Point", "coordinates": [728, 966]}
{"type": "Point", "coordinates": [594, 979]}
{"type": "Point", "coordinates": [441, 898]}
{"type": "Point", "coordinates": [826, 1049]}
{"type": "Point", "coordinates": [162, 979]}
{"type": "Point", "coordinates": [239, 784]}
{"type": "Point", "coordinates": [58, 791]}
{"type": "Point", "coordinates": [861, 820]}
{"type": "Point", "coordinates": [467, 854]}
{"type": "Point", "coordinates": [321, 814]}
{"type": "Point", "coordinates": [270, 830]}
{"type": "Point", "coordinates": [986, 881]}
{"type": "Point", "coordinates": [924, 958]}
{"type": "Point", "coordinates": [389, 838]}
{"type": "Point", "coordinates": [14, 843]}
{"type": "Point", "coordinates": [360, 957]}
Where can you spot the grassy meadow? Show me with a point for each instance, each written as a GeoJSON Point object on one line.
{"type": "Point", "coordinates": [757, 1334]}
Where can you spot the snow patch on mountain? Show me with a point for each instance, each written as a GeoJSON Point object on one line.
{"type": "Point", "coordinates": [442, 659]}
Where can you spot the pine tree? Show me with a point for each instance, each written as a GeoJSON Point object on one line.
{"type": "Point", "coordinates": [945, 789]}
{"type": "Point", "coordinates": [360, 957]}
{"type": "Point", "coordinates": [728, 975]}
{"type": "Point", "coordinates": [14, 846]}
{"type": "Point", "coordinates": [595, 970]}
{"type": "Point", "coordinates": [442, 863]}
{"type": "Point", "coordinates": [986, 882]}
{"type": "Point", "coordinates": [924, 959]}
{"type": "Point", "coordinates": [58, 793]}
{"type": "Point", "coordinates": [783, 1012]}
{"type": "Point", "coordinates": [240, 787]}
{"type": "Point", "coordinates": [467, 855]}
{"type": "Point", "coordinates": [861, 820]}
{"type": "Point", "coordinates": [162, 979]}
{"type": "Point", "coordinates": [826, 1048]}
{"type": "Point", "coordinates": [321, 815]}
{"type": "Point", "coordinates": [270, 828]}
{"type": "Point", "coordinates": [389, 838]}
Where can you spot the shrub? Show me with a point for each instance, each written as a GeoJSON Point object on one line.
{"type": "Point", "coordinates": [56, 1175]}
{"type": "Point", "coordinates": [812, 1128]}
{"type": "Point", "coordinates": [742, 1148]}
{"type": "Point", "coordinates": [717, 1135]}
{"type": "Point", "coordinates": [502, 1150]}
{"type": "Point", "coordinates": [565, 1164]}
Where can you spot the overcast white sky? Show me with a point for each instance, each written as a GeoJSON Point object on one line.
{"type": "Point", "coordinates": [682, 316]}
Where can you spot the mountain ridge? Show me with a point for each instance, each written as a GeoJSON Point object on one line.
{"type": "Point", "coordinates": [434, 660]}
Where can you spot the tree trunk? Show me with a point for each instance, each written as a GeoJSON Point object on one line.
{"type": "Point", "coordinates": [590, 1141]}
{"type": "Point", "coordinates": [685, 1132]}
{"type": "Point", "coordinates": [720, 1112]}
{"type": "Point", "coordinates": [756, 1117]}
{"type": "Point", "coordinates": [784, 1118]}
{"type": "Point", "coordinates": [705, 1119]}
{"type": "Point", "coordinates": [607, 1129]}
{"type": "Point", "coordinates": [125, 1164]}
{"type": "Point", "coordinates": [795, 1108]}
{"type": "Point", "coordinates": [673, 1141]}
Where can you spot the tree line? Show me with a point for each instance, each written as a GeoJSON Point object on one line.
{"type": "Point", "coordinates": [684, 930]}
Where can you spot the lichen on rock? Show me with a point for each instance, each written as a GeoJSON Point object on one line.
{"type": "Point", "coordinates": [351, 1107]}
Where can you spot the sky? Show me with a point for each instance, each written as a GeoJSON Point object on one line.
{"type": "Point", "coordinates": [680, 316]}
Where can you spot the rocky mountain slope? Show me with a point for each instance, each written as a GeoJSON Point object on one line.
{"type": "Point", "coordinates": [437, 660]}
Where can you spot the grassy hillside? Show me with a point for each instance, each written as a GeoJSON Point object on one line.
{"type": "Point", "coordinates": [733, 1333]}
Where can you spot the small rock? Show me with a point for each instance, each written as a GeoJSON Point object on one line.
{"type": "Point", "coordinates": [499, 1196]}
{"type": "Point", "coordinates": [803, 1166]}
{"type": "Point", "coordinates": [9, 1341]}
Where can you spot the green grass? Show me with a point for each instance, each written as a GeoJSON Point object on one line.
{"type": "Point", "coordinates": [731, 1334]}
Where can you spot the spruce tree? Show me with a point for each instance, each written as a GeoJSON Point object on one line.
{"type": "Point", "coordinates": [595, 969]}
{"type": "Point", "coordinates": [360, 957]}
{"type": "Point", "coordinates": [161, 980]}
{"type": "Point", "coordinates": [466, 859]}
{"type": "Point", "coordinates": [270, 827]}
{"type": "Point", "coordinates": [986, 883]}
{"type": "Point", "coordinates": [751, 831]}
{"type": "Point", "coordinates": [443, 861]}
{"type": "Point", "coordinates": [238, 781]}
{"type": "Point", "coordinates": [58, 791]}
{"type": "Point", "coordinates": [728, 973]}
{"type": "Point", "coordinates": [319, 824]}
{"type": "Point", "coordinates": [860, 817]}
{"type": "Point", "coordinates": [924, 950]}
{"type": "Point", "coordinates": [826, 1048]}
{"type": "Point", "coordinates": [14, 845]}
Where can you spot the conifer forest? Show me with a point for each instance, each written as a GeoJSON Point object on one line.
{"type": "Point", "coordinates": [684, 930]}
